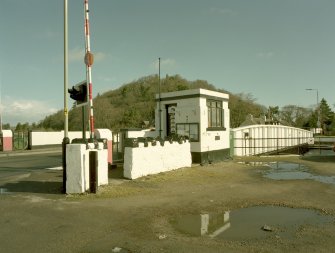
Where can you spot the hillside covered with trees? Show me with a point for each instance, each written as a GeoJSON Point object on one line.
{"type": "Point", "coordinates": [133, 103]}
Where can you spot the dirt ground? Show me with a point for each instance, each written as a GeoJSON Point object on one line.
{"type": "Point", "coordinates": [136, 215]}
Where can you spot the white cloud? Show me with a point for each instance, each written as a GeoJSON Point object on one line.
{"type": "Point", "coordinates": [47, 34]}
{"type": "Point", "coordinates": [21, 110]}
{"type": "Point", "coordinates": [165, 63]}
{"type": "Point", "coordinates": [265, 55]}
{"type": "Point", "coordinates": [106, 78]}
{"type": "Point", "coordinates": [99, 56]}
{"type": "Point", "coordinates": [223, 11]}
{"type": "Point", "coordinates": [50, 34]}
{"type": "Point", "coordinates": [76, 54]}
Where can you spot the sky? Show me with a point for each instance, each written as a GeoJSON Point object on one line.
{"type": "Point", "coordinates": [272, 49]}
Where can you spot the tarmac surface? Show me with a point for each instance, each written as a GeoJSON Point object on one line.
{"type": "Point", "coordinates": [137, 215]}
{"type": "Point", "coordinates": [30, 152]}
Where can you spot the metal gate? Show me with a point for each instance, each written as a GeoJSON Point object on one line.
{"type": "Point", "coordinates": [20, 140]}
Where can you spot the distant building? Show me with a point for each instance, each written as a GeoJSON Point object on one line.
{"type": "Point", "coordinates": [251, 120]}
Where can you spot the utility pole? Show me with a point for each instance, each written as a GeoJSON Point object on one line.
{"type": "Point", "coordinates": [317, 106]}
{"type": "Point", "coordinates": [159, 98]}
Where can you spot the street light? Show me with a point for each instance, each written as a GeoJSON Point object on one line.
{"type": "Point", "coordinates": [317, 105]}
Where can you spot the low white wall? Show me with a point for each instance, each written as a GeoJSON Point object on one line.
{"type": "Point", "coordinates": [56, 138]}
{"type": "Point", "coordinates": [103, 133]}
{"type": "Point", "coordinates": [141, 133]}
{"type": "Point", "coordinates": [142, 161]}
{"type": "Point", "coordinates": [77, 167]}
{"type": "Point", "coordinates": [7, 133]}
{"type": "Point", "coordinates": [51, 138]}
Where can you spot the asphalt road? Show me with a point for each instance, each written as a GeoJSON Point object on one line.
{"type": "Point", "coordinates": [18, 166]}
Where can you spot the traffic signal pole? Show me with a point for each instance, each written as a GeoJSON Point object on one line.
{"type": "Point", "coordinates": [66, 139]}
{"type": "Point", "coordinates": [89, 62]}
{"type": "Point", "coordinates": [66, 117]}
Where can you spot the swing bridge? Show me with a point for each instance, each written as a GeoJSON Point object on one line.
{"type": "Point", "coordinates": [276, 139]}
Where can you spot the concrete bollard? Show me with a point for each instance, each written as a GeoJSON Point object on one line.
{"type": "Point", "coordinates": [93, 171]}
{"type": "Point", "coordinates": [80, 160]}
{"type": "Point", "coordinates": [65, 142]}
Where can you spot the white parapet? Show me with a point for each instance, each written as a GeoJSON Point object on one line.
{"type": "Point", "coordinates": [77, 167]}
{"type": "Point", "coordinates": [141, 161]}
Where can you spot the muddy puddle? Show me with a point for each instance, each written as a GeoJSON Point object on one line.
{"type": "Point", "coordinates": [4, 191]}
{"type": "Point", "coordinates": [320, 152]}
{"type": "Point", "coordinates": [290, 171]}
{"type": "Point", "coordinates": [294, 171]}
{"type": "Point", "coordinates": [250, 223]}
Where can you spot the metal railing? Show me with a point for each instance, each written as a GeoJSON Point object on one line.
{"type": "Point", "coordinates": [256, 146]}
{"type": "Point", "coordinates": [20, 140]}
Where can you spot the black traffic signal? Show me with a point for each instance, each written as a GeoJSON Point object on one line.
{"type": "Point", "coordinates": [79, 93]}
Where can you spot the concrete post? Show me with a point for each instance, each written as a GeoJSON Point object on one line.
{"type": "Point", "coordinates": [66, 141]}
{"type": "Point", "coordinates": [93, 171]}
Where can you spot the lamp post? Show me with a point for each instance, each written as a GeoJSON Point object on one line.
{"type": "Point", "coordinates": [317, 105]}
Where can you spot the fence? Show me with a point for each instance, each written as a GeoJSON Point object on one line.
{"type": "Point", "coordinates": [260, 139]}
{"type": "Point", "coordinates": [20, 140]}
{"type": "Point", "coordinates": [117, 149]}
{"type": "Point", "coordinates": [256, 146]}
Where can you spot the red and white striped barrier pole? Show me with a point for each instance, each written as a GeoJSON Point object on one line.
{"type": "Point", "coordinates": [89, 62]}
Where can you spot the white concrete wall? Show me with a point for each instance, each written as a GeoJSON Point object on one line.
{"type": "Point", "coordinates": [77, 167]}
{"type": "Point", "coordinates": [52, 138]}
{"type": "Point", "coordinates": [103, 133]}
{"type": "Point", "coordinates": [141, 133]}
{"type": "Point", "coordinates": [7, 133]}
{"type": "Point", "coordinates": [149, 160]}
{"type": "Point", "coordinates": [257, 139]}
{"type": "Point", "coordinates": [131, 133]}
{"type": "Point", "coordinates": [102, 166]}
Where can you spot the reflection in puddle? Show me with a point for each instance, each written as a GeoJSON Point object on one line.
{"type": "Point", "coordinates": [249, 223]}
{"type": "Point", "coordinates": [203, 224]}
{"type": "Point", "coordinates": [4, 191]}
{"type": "Point", "coordinates": [320, 152]}
{"type": "Point", "coordinates": [290, 171]}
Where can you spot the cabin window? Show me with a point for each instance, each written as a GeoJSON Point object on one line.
{"type": "Point", "coordinates": [215, 115]}
{"type": "Point", "coordinates": [191, 130]}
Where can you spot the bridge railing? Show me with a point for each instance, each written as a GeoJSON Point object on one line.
{"type": "Point", "coordinates": [259, 139]}
{"type": "Point", "coordinates": [255, 146]}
